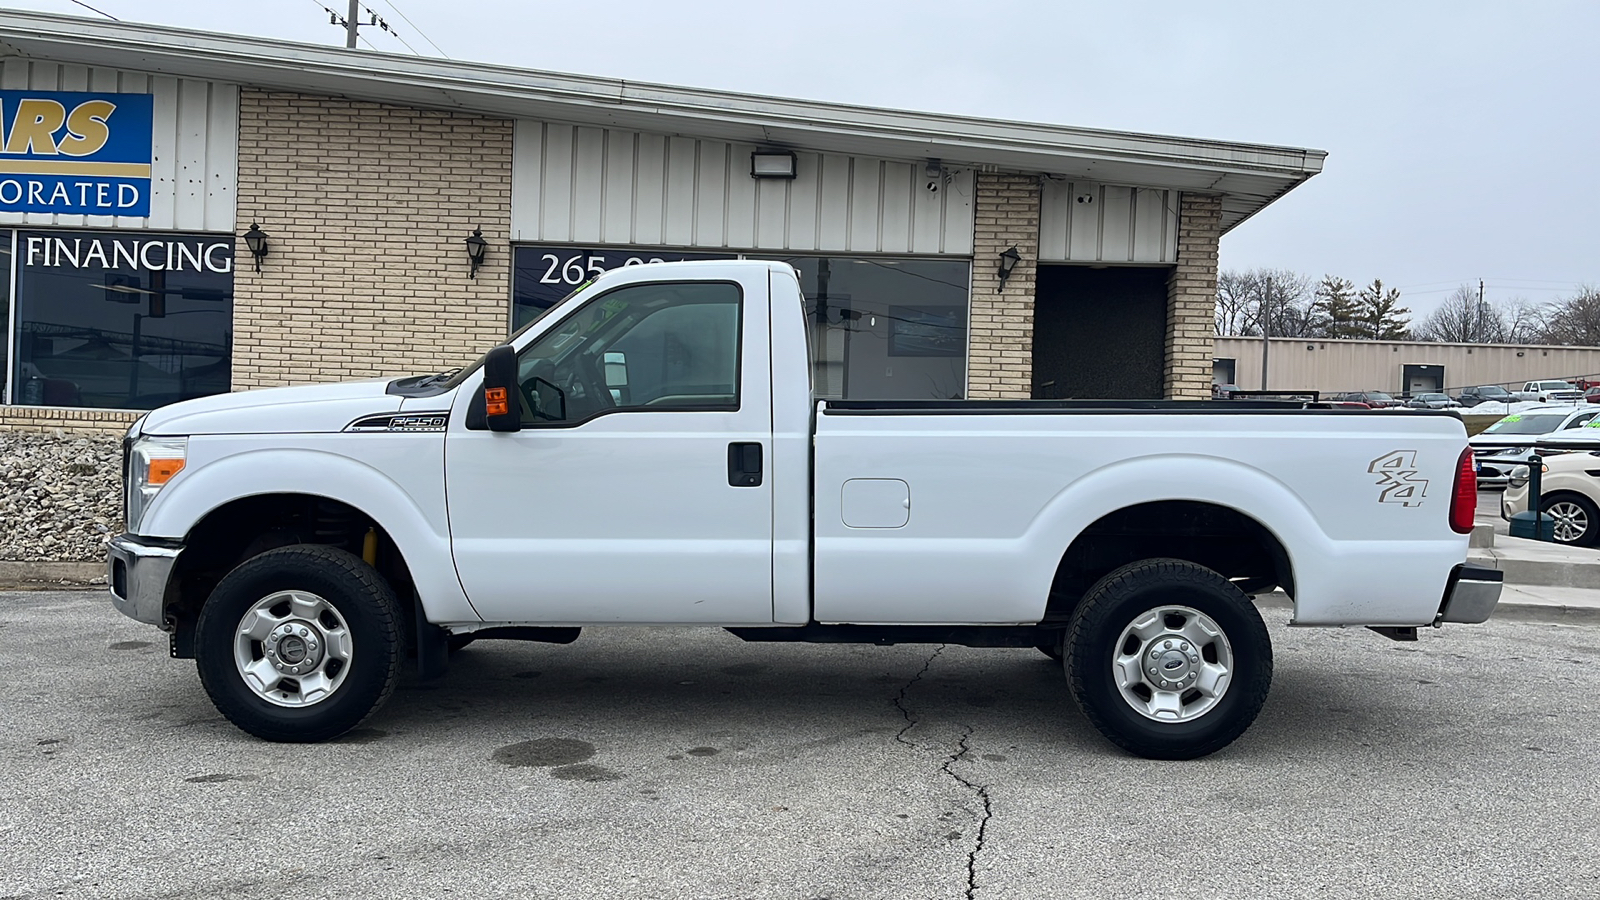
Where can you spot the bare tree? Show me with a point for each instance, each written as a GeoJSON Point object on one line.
{"type": "Point", "coordinates": [1575, 320]}
{"type": "Point", "coordinates": [1462, 319]}
{"type": "Point", "coordinates": [1525, 321]}
{"type": "Point", "coordinates": [1275, 300]}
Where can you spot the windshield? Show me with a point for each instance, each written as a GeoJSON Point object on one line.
{"type": "Point", "coordinates": [1518, 424]}
{"type": "Point", "coordinates": [1494, 390]}
{"type": "Point", "coordinates": [1554, 386]}
{"type": "Point", "coordinates": [1380, 396]}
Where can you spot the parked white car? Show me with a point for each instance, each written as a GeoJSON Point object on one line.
{"type": "Point", "coordinates": [1549, 391]}
{"type": "Point", "coordinates": [1504, 445]}
{"type": "Point", "coordinates": [649, 453]}
{"type": "Point", "coordinates": [1570, 492]}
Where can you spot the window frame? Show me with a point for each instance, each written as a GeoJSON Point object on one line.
{"type": "Point", "coordinates": [738, 356]}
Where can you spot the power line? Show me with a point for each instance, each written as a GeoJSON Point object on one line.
{"type": "Point", "coordinates": [100, 11]}
{"type": "Point", "coordinates": [415, 27]}
{"type": "Point", "coordinates": [378, 21]}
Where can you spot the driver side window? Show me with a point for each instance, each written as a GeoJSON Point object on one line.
{"type": "Point", "coordinates": [655, 347]}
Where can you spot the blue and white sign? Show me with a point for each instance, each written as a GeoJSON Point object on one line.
{"type": "Point", "coordinates": [75, 152]}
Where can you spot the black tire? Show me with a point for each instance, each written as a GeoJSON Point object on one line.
{"type": "Point", "coordinates": [1126, 595]}
{"type": "Point", "coordinates": [357, 595]}
{"type": "Point", "coordinates": [1590, 536]}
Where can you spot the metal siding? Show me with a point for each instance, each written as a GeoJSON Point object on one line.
{"type": "Point", "coordinates": [1116, 225]}
{"type": "Point", "coordinates": [711, 195]}
{"type": "Point", "coordinates": [588, 183]}
{"type": "Point", "coordinates": [680, 203]}
{"type": "Point", "coordinates": [555, 214]}
{"type": "Point", "coordinates": [650, 188]}
{"type": "Point", "coordinates": [194, 145]}
{"type": "Point", "coordinates": [624, 187]}
{"type": "Point", "coordinates": [616, 221]}
{"type": "Point", "coordinates": [741, 205]}
{"type": "Point", "coordinates": [1121, 224]}
{"type": "Point", "coordinates": [803, 193]}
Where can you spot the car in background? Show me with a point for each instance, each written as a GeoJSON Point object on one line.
{"type": "Point", "coordinates": [1432, 401]}
{"type": "Point", "coordinates": [1373, 399]}
{"type": "Point", "coordinates": [1224, 391]}
{"type": "Point", "coordinates": [1505, 445]}
{"type": "Point", "coordinates": [1569, 491]}
{"type": "Point", "coordinates": [1592, 395]}
{"type": "Point", "coordinates": [1485, 393]}
{"type": "Point", "coordinates": [1549, 391]}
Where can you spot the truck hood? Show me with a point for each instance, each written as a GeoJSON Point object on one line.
{"type": "Point", "coordinates": [303, 409]}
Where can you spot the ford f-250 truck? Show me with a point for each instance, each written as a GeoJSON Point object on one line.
{"type": "Point", "coordinates": [650, 452]}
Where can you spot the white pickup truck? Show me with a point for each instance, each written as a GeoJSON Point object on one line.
{"type": "Point", "coordinates": [650, 452]}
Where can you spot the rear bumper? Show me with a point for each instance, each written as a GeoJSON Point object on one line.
{"type": "Point", "coordinates": [138, 572]}
{"type": "Point", "coordinates": [1471, 595]}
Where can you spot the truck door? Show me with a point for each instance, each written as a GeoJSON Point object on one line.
{"type": "Point", "coordinates": [637, 489]}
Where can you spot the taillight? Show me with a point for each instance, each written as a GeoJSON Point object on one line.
{"type": "Point", "coordinates": [1464, 497]}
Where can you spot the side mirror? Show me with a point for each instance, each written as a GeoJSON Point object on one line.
{"type": "Point", "coordinates": [502, 409]}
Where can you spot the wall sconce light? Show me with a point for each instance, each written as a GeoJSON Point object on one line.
{"type": "Point", "coordinates": [477, 247]}
{"type": "Point", "coordinates": [256, 240]}
{"type": "Point", "coordinates": [1008, 261]}
{"type": "Point", "coordinates": [772, 164]}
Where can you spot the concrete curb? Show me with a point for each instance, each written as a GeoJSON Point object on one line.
{"type": "Point", "coordinates": [1541, 572]}
{"type": "Point", "coordinates": [28, 574]}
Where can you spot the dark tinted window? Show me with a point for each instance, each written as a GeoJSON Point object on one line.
{"type": "Point", "coordinates": [121, 320]}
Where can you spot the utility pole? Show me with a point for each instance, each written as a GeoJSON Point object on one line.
{"type": "Point", "coordinates": [1266, 338]}
{"type": "Point", "coordinates": [1480, 310]}
{"type": "Point", "coordinates": [351, 23]}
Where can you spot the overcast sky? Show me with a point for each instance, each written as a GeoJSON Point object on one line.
{"type": "Point", "coordinates": [1463, 136]}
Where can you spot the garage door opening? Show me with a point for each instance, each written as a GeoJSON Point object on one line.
{"type": "Point", "coordinates": [1099, 333]}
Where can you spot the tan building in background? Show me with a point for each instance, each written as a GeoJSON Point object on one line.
{"type": "Point", "coordinates": [941, 256]}
{"type": "Point", "coordinates": [1408, 367]}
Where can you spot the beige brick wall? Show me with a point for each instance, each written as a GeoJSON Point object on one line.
{"type": "Point", "coordinates": [68, 421]}
{"type": "Point", "coordinates": [1000, 348]}
{"type": "Point", "coordinates": [368, 207]}
{"type": "Point", "coordinates": [1192, 299]}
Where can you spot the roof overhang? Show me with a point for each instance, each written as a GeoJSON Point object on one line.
{"type": "Point", "coordinates": [1246, 176]}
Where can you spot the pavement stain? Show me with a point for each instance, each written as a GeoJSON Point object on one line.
{"type": "Point", "coordinates": [130, 645]}
{"type": "Point", "coordinates": [585, 772]}
{"type": "Point", "coordinates": [703, 751]}
{"type": "Point", "coordinates": [220, 777]}
{"type": "Point", "coordinates": [543, 752]}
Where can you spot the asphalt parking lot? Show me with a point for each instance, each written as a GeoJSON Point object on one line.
{"type": "Point", "coordinates": [660, 763]}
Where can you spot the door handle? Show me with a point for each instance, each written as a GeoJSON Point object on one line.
{"type": "Point", "coordinates": [744, 464]}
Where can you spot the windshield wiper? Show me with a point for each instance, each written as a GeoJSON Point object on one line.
{"type": "Point", "coordinates": [446, 375]}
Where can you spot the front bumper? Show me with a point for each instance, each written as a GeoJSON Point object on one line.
{"type": "Point", "coordinates": [1471, 595]}
{"type": "Point", "coordinates": [138, 571]}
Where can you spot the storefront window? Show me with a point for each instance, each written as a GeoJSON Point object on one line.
{"type": "Point", "coordinates": [121, 320]}
{"type": "Point", "coordinates": [886, 329]}
{"type": "Point", "coordinates": [543, 275]}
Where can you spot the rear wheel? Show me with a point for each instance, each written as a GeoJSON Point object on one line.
{"type": "Point", "coordinates": [1168, 659]}
{"type": "Point", "coordinates": [300, 643]}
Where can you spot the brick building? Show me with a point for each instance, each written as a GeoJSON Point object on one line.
{"type": "Point", "coordinates": [136, 158]}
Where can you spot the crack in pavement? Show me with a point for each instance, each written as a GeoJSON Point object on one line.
{"type": "Point", "coordinates": [900, 699]}
{"type": "Point", "coordinates": [980, 790]}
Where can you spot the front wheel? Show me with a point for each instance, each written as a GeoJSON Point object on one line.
{"type": "Point", "coordinates": [1576, 520]}
{"type": "Point", "coordinates": [299, 644]}
{"type": "Point", "coordinates": [1168, 659]}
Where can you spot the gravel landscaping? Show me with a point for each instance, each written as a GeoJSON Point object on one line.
{"type": "Point", "coordinates": [60, 496]}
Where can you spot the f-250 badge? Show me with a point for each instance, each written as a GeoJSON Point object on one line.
{"type": "Point", "coordinates": [1397, 476]}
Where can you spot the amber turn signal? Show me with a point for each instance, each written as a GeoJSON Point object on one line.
{"type": "Point", "coordinates": [162, 470]}
{"type": "Point", "coordinates": [494, 401]}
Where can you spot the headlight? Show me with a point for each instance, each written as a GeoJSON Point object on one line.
{"type": "Point", "coordinates": [152, 462]}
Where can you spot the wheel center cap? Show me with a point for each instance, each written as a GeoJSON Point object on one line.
{"type": "Point", "coordinates": [294, 648]}
{"type": "Point", "coordinates": [1171, 663]}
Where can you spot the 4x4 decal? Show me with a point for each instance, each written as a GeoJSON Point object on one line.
{"type": "Point", "coordinates": [1397, 476]}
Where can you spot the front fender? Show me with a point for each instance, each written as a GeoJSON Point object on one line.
{"type": "Point", "coordinates": [207, 484]}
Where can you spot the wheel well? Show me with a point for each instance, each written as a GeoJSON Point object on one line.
{"type": "Point", "coordinates": [250, 526]}
{"type": "Point", "coordinates": [1222, 539]}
